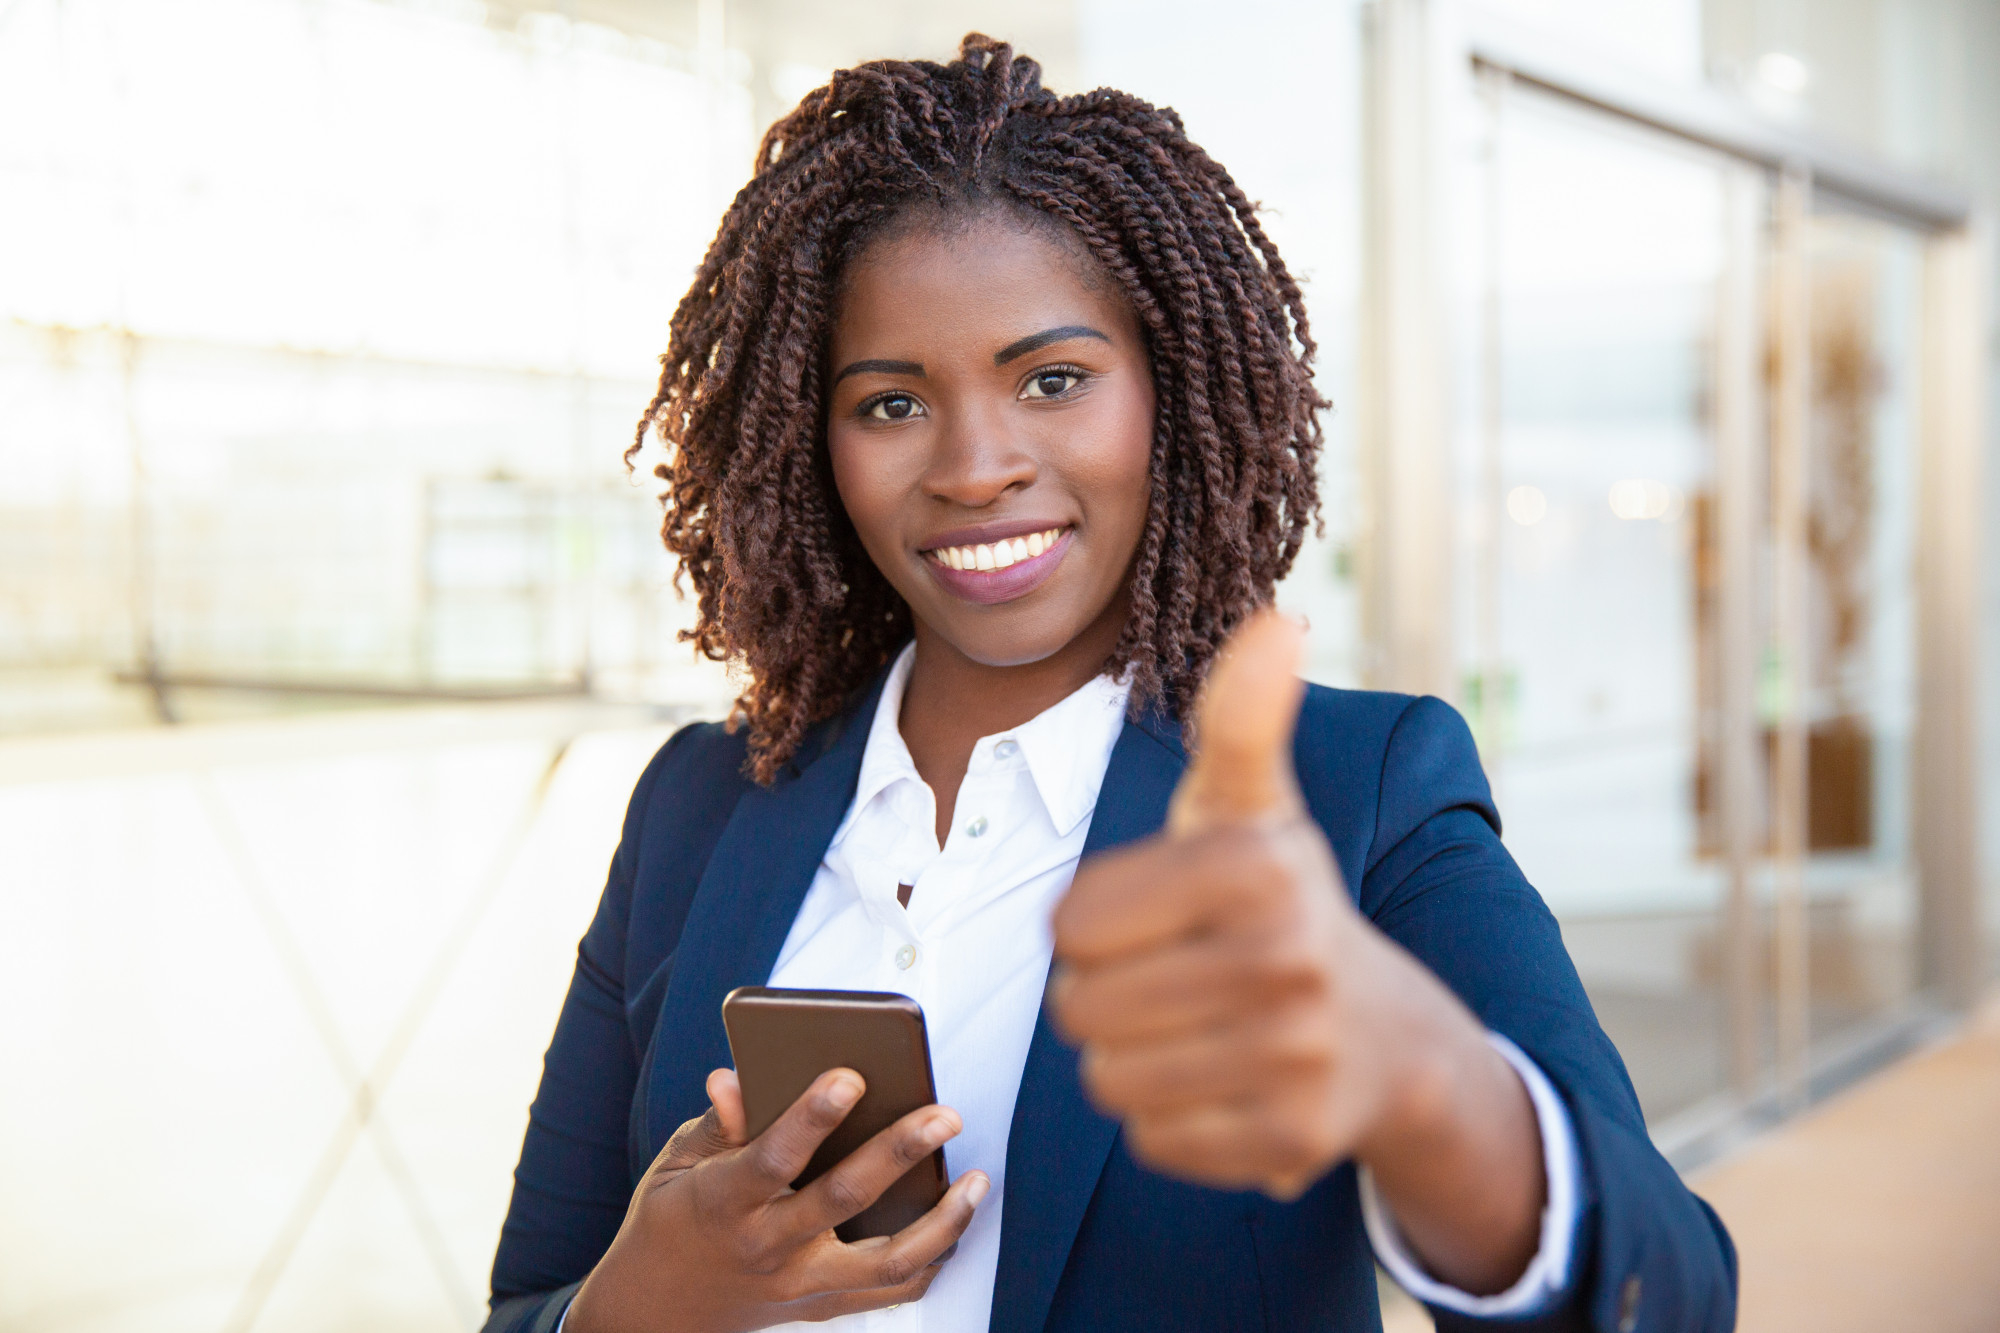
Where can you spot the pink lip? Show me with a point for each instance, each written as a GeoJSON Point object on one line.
{"type": "Point", "coordinates": [991, 586]}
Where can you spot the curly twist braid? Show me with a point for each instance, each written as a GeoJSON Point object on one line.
{"type": "Point", "coordinates": [783, 585]}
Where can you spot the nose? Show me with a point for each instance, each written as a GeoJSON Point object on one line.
{"type": "Point", "coordinates": [978, 459]}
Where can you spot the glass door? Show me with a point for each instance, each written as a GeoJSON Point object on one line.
{"type": "Point", "coordinates": [1587, 473]}
{"type": "Point", "coordinates": [1855, 633]}
{"type": "Point", "coordinates": [1687, 523]}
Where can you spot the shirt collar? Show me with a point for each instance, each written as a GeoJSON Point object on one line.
{"type": "Point", "coordinates": [1067, 747]}
{"type": "Point", "coordinates": [886, 760]}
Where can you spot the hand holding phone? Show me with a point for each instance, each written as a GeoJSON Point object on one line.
{"type": "Point", "coordinates": [716, 1237]}
{"type": "Point", "coordinates": [783, 1039]}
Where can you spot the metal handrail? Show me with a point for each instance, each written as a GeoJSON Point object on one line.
{"type": "Point", "coordinates": [1704, 116]}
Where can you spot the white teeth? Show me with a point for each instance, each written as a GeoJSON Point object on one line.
{"type": "Point", "coordinates": [997, 555]}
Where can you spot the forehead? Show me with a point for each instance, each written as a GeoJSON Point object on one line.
{"type": "Point", "coordinates": [987, 278]}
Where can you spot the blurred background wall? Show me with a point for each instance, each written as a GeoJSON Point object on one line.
{"type": "Point", "coordinates": [333, 631]}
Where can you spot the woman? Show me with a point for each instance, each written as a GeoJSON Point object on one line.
{"type": "Point", "coordinates": [991, 418]}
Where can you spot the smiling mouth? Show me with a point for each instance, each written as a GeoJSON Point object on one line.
{"type": "Point", "coordinates": [985, 557]}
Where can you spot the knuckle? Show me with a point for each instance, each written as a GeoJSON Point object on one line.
{"type": "Point", "coordinates": [1279, 959]}
{"type": "Point", "coordinates": [1300, 1046]}
{"type": "Point", "coordinates": [845, 1195]}
{"type": "Point", "coordinates": [896, 1267]}
{"type": "Point", "coordinates": [910, 1147]}
{"type": "Point", "coordinates": [820, 1117]}
{"type": "Point", "coordinates": [773, 1155]}
{"type": "Point", "coordinates": [745, 1246]}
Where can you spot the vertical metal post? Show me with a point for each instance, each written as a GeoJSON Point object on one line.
{"type": "Point", "coordinates": [1739, 502]}
{"type": "Point", "coordinates": [1790, 417]}
{"type": "Point", "coordinates": [1402, 394]}
{"type": "Point", "coordinates": [1944, 791]}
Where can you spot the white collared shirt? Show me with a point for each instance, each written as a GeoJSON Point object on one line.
{"type": "Point", "coordinates": [973, 949]}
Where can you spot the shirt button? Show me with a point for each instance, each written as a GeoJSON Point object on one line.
{"type": "Point", "coordinates": [906, 957]}
{"type": "Point", "coordinates": [976, 827]}
{"type": "Point", "coordinates": [1006, 750]}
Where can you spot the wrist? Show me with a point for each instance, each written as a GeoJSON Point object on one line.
{"type": "Point", "coordinates": [1459, 1165]}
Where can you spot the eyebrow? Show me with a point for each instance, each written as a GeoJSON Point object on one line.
{"type": "Point", "coordinates": [1036, 341]}
{"type": "Point", "coordinates": [880, 368]}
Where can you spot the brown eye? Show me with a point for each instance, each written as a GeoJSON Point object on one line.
{"type": "Point", "coordinates": [1050, 383]}
{"type": "Point", "coordinates": [893, 407]}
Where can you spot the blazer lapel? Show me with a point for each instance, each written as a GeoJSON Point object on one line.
{"type": "Point", "coordinates": [1058, 1144]}
{"type": "Point", "coordinates": [757, 877]}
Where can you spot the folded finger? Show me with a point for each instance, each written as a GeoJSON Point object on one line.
{"type": "Point", "coordinates": [1220, 1145]}
{"type": "Point", "coordinates": [832, 1305]}
{"type": "Point", "coordinates": [894, 1261]}
{"type": "Point", "coordinates": [1260, 1058]}
{"type": "Point", "coordinates": [1165, 889]}
{"type": "Point", "coordinates": [1192, 984]}
{"type": "Point", "coordinates": [860, 1178]}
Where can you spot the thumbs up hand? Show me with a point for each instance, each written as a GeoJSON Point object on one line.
{"type": "Point", "coordinates": [1252, 1030]}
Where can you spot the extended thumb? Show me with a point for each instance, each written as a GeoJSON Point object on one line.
{"type": "Point", "coordinates": [1242, 767]}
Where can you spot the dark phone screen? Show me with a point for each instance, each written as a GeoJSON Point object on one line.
{"type": "Point", "coordinates": [781, 1040]}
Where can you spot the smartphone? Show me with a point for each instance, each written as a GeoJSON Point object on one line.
{"type": "Point", "coordinates": [781, 1040]}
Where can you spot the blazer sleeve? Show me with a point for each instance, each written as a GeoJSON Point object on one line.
{"type": "Point", "coordinates": [573, 1181]}
{"type": "Point", "coordinates": [1437, 880]}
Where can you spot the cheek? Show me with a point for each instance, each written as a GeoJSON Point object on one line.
{"type": "Point", "coordinates": [861, 485]}
{"type": "Point", "coordinates": [1121, 467]}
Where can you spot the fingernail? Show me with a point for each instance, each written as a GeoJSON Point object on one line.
{"type": "Point", "coordinates": [843, 1093]}
{"type": "Point", "coordinates": [938, 1130]}
{"type": "Point", "coordinates": [977, 1189]}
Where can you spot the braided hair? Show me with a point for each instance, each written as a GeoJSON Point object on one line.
{"type": "Point", "coordinates": [784, 587]}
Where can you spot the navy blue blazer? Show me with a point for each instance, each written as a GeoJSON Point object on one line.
{"type": "Point", "coordinates": [712, 869]}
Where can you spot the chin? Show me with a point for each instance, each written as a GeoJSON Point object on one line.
{"type": "Point", "coordinates": [1000, 644]}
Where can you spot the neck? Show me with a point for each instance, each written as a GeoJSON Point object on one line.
{"type": "Point", "coordinates": [951, 701]}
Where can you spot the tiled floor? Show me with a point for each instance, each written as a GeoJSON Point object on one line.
{"type": "Point", "coordinates": [1881, 1209]}
{"type": "Point", "coordinates": [1877, 1211]}
{"type": "Point", "coordinates": [272, 1006]}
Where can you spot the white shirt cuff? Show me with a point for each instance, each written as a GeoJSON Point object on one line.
{"type": "Point", "coordinates": [1548, 1272]}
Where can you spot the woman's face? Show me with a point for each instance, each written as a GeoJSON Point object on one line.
{"type": "Point", "coordinates": [991, 425]}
